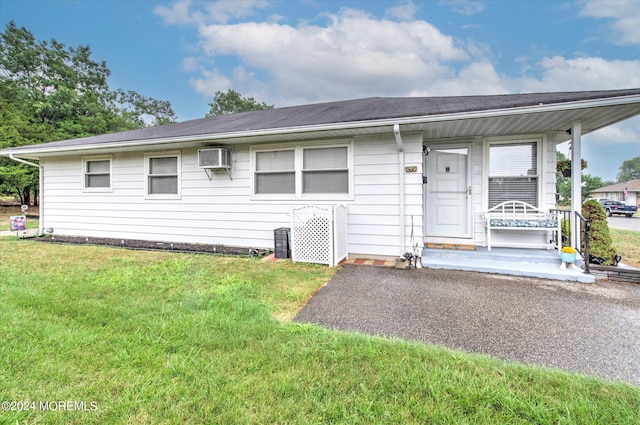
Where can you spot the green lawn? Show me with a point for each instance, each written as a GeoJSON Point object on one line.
{"type": "Point", "coordinates": [627, 244]}
{"type": "Point", "coordinates": [149, 337]}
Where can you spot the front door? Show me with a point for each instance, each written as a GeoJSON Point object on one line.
{"type": "Point", "coordinates": [447, 191]}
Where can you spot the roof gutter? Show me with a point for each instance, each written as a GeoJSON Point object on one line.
{"type": "Point", "coordinates": [40, 189]}
{"type": "Point", "coordinates": [390, 122]}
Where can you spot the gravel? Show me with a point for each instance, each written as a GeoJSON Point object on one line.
{"type": "Point", "coordinates": [592, 329]}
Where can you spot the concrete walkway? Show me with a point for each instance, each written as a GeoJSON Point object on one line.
{"type": "Point", "coordinates": [22, 233]}
{"type": "Point", "coordinates": [592, 329]}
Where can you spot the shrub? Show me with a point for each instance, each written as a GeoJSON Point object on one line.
{"type": "Point", "coordinates": [600, 243]}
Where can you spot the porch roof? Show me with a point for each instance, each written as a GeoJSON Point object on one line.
{"type": "Point", "coordinates": [437, 117]}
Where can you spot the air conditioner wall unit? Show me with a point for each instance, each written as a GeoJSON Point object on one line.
{"type": "Point", "coordinates": [216, 158]}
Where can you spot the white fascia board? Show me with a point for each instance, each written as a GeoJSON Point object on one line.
{"type": "Point", "coordinates": [390, 122]}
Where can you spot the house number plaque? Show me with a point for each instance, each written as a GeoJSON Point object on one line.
{"type": "Point", "coordinates": [411, 169]}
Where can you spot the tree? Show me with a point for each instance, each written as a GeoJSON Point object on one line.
{"type": "Point", "coordinates": [600, 244]}
{"type": "Point", "coordinates": [141, 110]}
{"type": "Point", "coordinates": [629, 170]}
{"type": "Point", "coordinates": [52, 92]}
{"type": "Point", "coordinates": [231, 102]}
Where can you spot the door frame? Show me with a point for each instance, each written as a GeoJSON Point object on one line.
{"type": "Point", "coordinates": [427, 208]}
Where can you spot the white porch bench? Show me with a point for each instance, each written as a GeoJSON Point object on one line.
{"type": "Point", "coordinates": [520, 216]}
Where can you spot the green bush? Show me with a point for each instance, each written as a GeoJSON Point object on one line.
{"type": "Point", "coordinates": [600, 243]}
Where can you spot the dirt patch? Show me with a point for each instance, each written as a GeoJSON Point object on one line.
{"type": "Point", "coordinates": [157, 246]}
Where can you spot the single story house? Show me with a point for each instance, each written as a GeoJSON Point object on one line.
{"type": "Point", "coordinates": [627, 192]}
{"type": "Point", "coordinates": [404, 171]}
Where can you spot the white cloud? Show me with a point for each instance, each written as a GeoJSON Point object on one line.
{"type": "Point", "coordinates": [624, 17]}
{"type": "Point", "coordinates": [627, 132]}
{"type": "Point", "coordinates": [181, 12]}
{"type": "Point", "coordinates": [404, 12]}
{"type": "Point", "coordinates": [191, 64]}
{"type": "Point", "coordinates": [477, 78]}
{"type": "Point", "coordinates": [357, 55]}
{"type": "Point", "coordinates": [223, 11]}
{"type": "Point", "coordinates": [211, 81]}
{"type": "Point", "coordinates": [587, 73]}
{"type": "Point", "coordinates": [354, 55]}
{"type": "Point", "coordinates": [465, 7]}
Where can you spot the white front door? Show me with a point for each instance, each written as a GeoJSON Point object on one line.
{"type": "Point", "coordinates": [447, 191]}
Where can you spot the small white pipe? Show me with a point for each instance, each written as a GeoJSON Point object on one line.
{"type": "Point", "coordinates": [396, 132]}
{"type": "Point", "coordinates": [40, 189]}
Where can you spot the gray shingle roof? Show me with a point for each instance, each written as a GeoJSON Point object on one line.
{"type": "Point", "coordinates": [349, 111]}
{"type": "Point", "coordinates": [631, 186]}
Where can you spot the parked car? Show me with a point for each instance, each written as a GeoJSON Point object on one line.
{"type": "Point", "coordinates": [612, 207]}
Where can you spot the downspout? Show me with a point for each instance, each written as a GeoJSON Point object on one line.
{"type": "Point", "coordinates": [40, 189]}
{"type": "Point", "coordinates": [396, 132]}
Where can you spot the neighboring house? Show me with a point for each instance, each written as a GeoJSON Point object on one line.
{"type": "Point", "coordinates": [628, 192]}
{"type": "Point", "coordinates": [409, 170]}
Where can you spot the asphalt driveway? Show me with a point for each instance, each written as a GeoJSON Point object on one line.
{"type": "Point", "coordinates": [593, 329]}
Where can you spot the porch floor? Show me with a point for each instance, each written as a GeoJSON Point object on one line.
{"type": "Point", "coordinates": [538, 263]}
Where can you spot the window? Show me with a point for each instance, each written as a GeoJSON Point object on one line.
{"type": "Point", "coordinates": [513, 172]}
{"type": "Point", "coordinates": [325, 170]}
{"type": "Point", "coordinates": [275, 172]}
{"type": "Point", "coordinates": [97, 174]}
{"type": "Point", "coordinates": [163, 176]}
{"type": "Point", "coordinates": [303, 171]}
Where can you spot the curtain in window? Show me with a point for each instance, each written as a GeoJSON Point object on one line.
{"type": "Point", "coordinates": [325, 170]}
{"type": "Point", "coordinates": [163, 175]}
{"type": "Point", "coordinates": [513, 173]}
{"type": "Point", "coordinates": [275, 172]}
{"type": "Point", "coordinates": [97, 173]}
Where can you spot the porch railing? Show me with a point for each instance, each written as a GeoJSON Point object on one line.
{"type": "Point", "coordinates": [570, 220]}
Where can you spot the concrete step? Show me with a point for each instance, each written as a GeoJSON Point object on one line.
{"type": "Point", "coordinates": [511, 261]}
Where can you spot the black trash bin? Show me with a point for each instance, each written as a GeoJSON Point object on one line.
{"type": "Point", "coordinates": [281, 242]}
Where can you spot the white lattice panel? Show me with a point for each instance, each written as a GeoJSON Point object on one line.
{"type": "Point", "coordinates": [316, 232]}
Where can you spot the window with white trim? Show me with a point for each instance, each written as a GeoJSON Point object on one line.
{"type": "Point", "coordinates": [319, 171]}
{"type": "Point", "coordinates": [163, 176]}
{"type": "Point", "coordinates": [275, 172]}
{"type": "Point", "coordinates": [513, 172]}
{"type": "Point", "coordinates": [97, 174]}
{"type": "Point", "coordinates": [325, 170]}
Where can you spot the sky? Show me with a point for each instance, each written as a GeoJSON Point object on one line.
{"type": "Point", "coordinates": [286, 52]}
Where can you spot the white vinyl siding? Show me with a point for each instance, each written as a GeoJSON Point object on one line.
{"type": "Point", "coordinates": [97, 174]}
{"type": "Point", "coordinates": [162, 176]}
{"type": "Point", "coordinates": [221, 211]}
{"type": "Point", "coordinates": [513, 172]}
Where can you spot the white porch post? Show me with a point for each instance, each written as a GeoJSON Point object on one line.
{"type": "Point", "coordinates": [576, 177]}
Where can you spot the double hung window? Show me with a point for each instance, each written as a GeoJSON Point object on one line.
{"type": "Point", "coordinates": [275, 172]}
{"type": "Point", "coordinates": [513, 172]}
{"type": "Point", "coordinates": [303, 171]}
{"type": "Point", "coordinates": [163, 176]}
{"type": "Point", "coordinates": [97, 174]}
